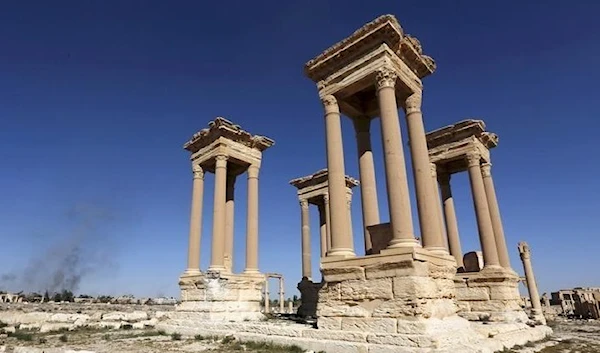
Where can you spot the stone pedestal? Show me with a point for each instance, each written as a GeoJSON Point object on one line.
{"type": "Point", "coordinates": [403, 297]}
{"type": "Point", "coordinates": [490, 295]}
{"type": "Point", "coordinates": [309, 295]}
{"type": "Point", "coordinates": [222, 296]}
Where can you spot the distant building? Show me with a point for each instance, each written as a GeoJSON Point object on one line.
{"type": "Point", "coordinates": [579, 302]}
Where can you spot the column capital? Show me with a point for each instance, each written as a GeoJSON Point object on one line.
{"type": "Point", "coordinates": [524, 250]}
{"type": "Point", "coordinates": [413, 103]}
{"type": "Point", "coordinates": [385, 77]}
{"type": "Point", "coordinates": [326, 198]}
{"type": "Point", "coordinates": [221, 161]}
{"type": "Point", "coordinates": [198, 171]}
{"type": "Point", "coordinates": [473, 159]}
{"type": "Point", "coordinates": [329, 102]}
{"type": "Point", "coordinates": [253, 170]}
{"type": "Point", "coordinates": [304, 203]}
{"type": "Point", "coordinates": [486, 169]}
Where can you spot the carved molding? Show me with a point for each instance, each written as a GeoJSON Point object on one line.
{"type": "Point", "coordinates": [304, 203]}
{"type": "Point", "coordinates": [326, 198]}
{"type": "Point", "coordinates": [386, 77]}
{"type": "Point", "coordinates": [413, 103]}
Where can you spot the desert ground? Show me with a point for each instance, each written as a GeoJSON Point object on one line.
{"type": "Point", "coordinates": [570, 336]}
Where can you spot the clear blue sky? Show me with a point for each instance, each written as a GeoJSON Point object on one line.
{"type": "Point", "coordinates": [97, 98]}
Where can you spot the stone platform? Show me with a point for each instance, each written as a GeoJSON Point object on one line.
{"type": "Point", "coordinates": [472, 337]}
{"type": "Point", "coordinates": [491, 294]}
{"type": "Point", "coordinates": [221, 296]}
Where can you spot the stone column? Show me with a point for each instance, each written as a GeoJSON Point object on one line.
{"type": "Point", "coordinates": [368, 185]}
{"type": "Point", "coordinates": [451, 223]}
{"type": "Point", "coordinates": [395, 167]}
{"type": "Point", "coordinates": [218, 236]}
{"type": "Point", "coordinates": [229, 219]}
{"type": "Point", "coordinates": [281, 296]}
{"type": "Point", "coordinates": [323, 229]}
{"type": "Point", "coordinates": [534, 295]}
{"type": "Point", "coordinates": [341, 243]}
{"type": "Point", "coordinates": [438, 203]}
{"type": "Point", "coordinates": [328, 221]}
{"type": "Point", "coordinates": [484, 223]}
{"type": "Point", "coordinates": [431, 234]}
{"type": "Point", "coordinates": [267, 296]}
{"type": "Point", "coordinates": [252, 221]}
{"type": "Point", "coordinates": [306, 261]}
{"type": "Point", "coordinates": [290, 307]}
{"type": "Point", "coordinates": [490, 192]}
{"type": "Point", "coordinates": [193, 265]}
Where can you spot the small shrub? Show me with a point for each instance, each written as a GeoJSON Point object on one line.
{"type": "Point", "coordinates": [21, 335]}
{"type": "Point", "coordinates": [63, 338]}
{"type": "Point", "coordinates": [176, 336]}
{"type": "Point", "coordinates": [106, 337]}
{"type": "Point", "coordinates": [3, 324]}
{"type": "Point", "coordinates": [199, 338]}
{"type": "Point", "coordinates": [161, 333]}
{"type": "Point", "coordinates": [127, 327]}
{"type": "Point", "coordinates": [42, 340]}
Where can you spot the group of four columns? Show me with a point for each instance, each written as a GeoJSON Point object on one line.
{"type": "Point", "coordinates": [222, 235]}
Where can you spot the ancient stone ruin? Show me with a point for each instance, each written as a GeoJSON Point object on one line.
{"type": "Point", "coordinates": [219, 294]}
{"type": "Point", "coordinates": [405, 292]}
{"type": "Point", "coordinates": [401, 291]}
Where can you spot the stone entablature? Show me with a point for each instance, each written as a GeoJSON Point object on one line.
{"type": "Point", "coordinates": [384, 29]}
{"type": "Point", "coordinates": [313, 187]}
{"type": "Point", "coordinates": [450, 144]}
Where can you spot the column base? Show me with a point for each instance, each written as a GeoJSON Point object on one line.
{"type": "Point", "coordinates": [438, 250]}
{"type": "Point", "coordinates": [219, 296]}
{"type": "Point", "coordinates": [341, 252]}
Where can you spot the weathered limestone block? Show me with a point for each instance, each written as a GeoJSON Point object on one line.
{"type": "Point", "coordinates": [495, 305]}
{"type": "Point", "coordinates": [356, 290]}
{"type": "Point", "coordinates": [502, 292]}
{"type": "Point", "coordinates": [342, 310]}
{"type": "Point", "coordinates": [329, 323]}
{"type": "Point", "coordinates": [401, 308]}
{"type": "Point", "coordinates": [472, 293]}
{"type": "Point", "coordinates": [413, 287]}
{"type": "Point", "coordinates": [369, 324]}
{"type": "Point", "coordinates": [446, 288]}
{"type": "Point", "coordinates": [420, 341]}
{"type": "Point", "coordinates": [339, 274]}
{"type": "Point", "coordinates": [396, 269]}
{"type": "Point", "coordinates": [473, 261]}
{"type": "Point", "coordinates": [336, 335]}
